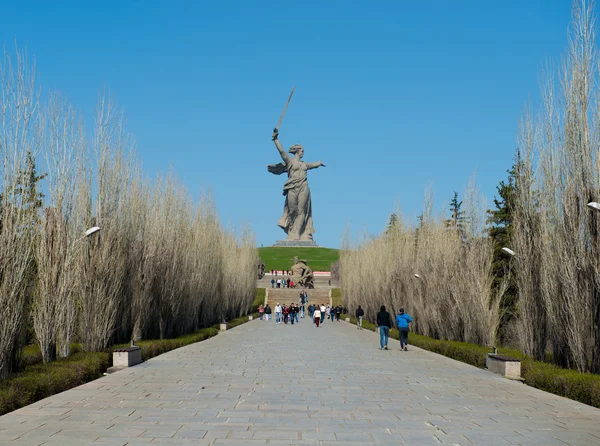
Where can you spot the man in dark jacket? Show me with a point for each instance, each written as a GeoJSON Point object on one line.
{"type": "Point", "coordinates": [292, 313]}
{"type": "Point", "coordinates": [359, 314]}
{"type": "Point", "coordinates": [384, 322]}
{"type": "Point", "coordinates": [268, 312]}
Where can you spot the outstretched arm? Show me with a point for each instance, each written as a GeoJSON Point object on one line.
{"type": "Point", "coordinates": [284, 156]}
{"type": "Point", "coordinates": [315, 165]}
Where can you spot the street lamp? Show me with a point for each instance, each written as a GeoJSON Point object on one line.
{"type": "Point", "coordinates": [594, 205]}
{"type": "Point", "coordinates": [67, 346]}
{"type": "Point", "coordinates": [508, 251]}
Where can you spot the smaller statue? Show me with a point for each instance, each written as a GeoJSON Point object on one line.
{"type": "Point", "coordinates": [302, 274]}
{"type": "Point", "coordinates": [261, 269]}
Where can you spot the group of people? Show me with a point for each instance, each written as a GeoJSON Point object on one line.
{"type": "Point", "coordinates": [282, 283]}
{"type": "Point", "coordinates": [384, 323]}
{"type": "Point", "coordinates": [318, 313]}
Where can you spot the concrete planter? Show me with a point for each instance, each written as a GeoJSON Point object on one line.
{"type": "Point", "coordinates": [504, 365]}
{"type": "Point", "coordinates": [127, 357]}
{"type": "Point", "coordinates": [223, 326]}
{"type": "Point", "coordinates": [347, 319]}
{"type": "Point", "coordinates": [250, 317]}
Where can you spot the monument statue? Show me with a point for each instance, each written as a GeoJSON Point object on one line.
{"type": "Point", "coordinates": [302, 274]}
{"type": "Point", "coordinates": [296, 220]}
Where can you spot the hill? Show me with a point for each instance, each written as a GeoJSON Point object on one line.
{"type": "Point", "coordinates": [319, 259]}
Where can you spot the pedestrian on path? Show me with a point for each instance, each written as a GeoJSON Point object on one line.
{"type": "Point", "coordinates": [322, 313]}
{"type": "Point", "coordinates": [272, 283]}
{"type": "Point", "coordinates": [277, 313]}
{"type": "Point", "coordinates": [338, 312]}
{"type": "Point", "coordinates": [359, 317]}
{"type": "Point", "coordinates": [317, 315]}
{"type": "Point", "coordinates": [286, 314]}
{"type": "Point", "coordinates": [261, 310]}
{"type": "Point", "coordinates": [268, 312]}
{"type": "Point", "coordinates": [402, 321]}
{"type": "Point", "coordinates": [384, 322]}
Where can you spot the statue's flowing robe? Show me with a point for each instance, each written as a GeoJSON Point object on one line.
{"type": "Point", "coordinates": [295, 187]}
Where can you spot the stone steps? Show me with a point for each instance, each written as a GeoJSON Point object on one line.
{"type": "Point", "coordinates": [292, 295]}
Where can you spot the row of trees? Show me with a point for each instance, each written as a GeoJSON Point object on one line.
{"type": "Point", "coordinates": [547, 296]}
{"type": "Point", "coordinates": [160, 266]}
{"type": "Point", "coordinates": [440, 272]}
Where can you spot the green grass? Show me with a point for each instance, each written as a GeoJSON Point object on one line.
{"type": "Point", "coordinates": [259, 299]}
{"type": "Point", "coordinates": [582, 387]}
{"type": "Point", "coordinates": [336, 297]}
{"type": "Point", "coordinates": [319, 259]}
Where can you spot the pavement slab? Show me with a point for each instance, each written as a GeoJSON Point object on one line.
{"type": "Point", "coordinates": [263, 383]}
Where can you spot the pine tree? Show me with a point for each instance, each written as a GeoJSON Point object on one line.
{"type": "Point", "coordinates": [457, 216]}
{"type": "Point", "coordinates": [392, 223]}
{"type": "Point", "coordinates": [25, 195]}
{"type": "Point", "coordinates": [500, 220]}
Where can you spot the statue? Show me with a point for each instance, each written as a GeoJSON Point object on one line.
{"type": "Point", "coordinates": [261, 269]}
{"type": "Point", "coordinates": [302, 274]}
{"type": "Point", "coordinates": [296, 220]}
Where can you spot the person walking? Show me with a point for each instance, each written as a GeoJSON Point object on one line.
{"type": "Point", "coordinates": [261, 310]}
{"type": "Point", "coordinates": [359, 314]}
{"type": "Point", "coordinates": [338, 313]}
{"type": "Point", "coordinates": [322, 308]}
{"type": "Point", "coordinates": [272, 283]}
{"type": "Point", "coordinates": [402, 321]}
{"type": "Point", "coordinates": [384, 322]}
{"type": "Point", "coordinates": [277, 312]}
{"type": "Point", "coordinates": [317, 315]}
{"type": "Point", "coordinates": [292, 311]}
{"type": "Point", "coordinates": [268, 312]}
{"type": "Point", "coordinates": [296, 313]}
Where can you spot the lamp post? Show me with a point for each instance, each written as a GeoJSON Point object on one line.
{"type": "Point", "coordinates": [67, 346]}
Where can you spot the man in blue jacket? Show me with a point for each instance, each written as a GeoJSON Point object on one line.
{"type": "Point", "coordinates": [402, 321]}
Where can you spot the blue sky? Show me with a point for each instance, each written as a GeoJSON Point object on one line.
{"type": "Point", "coordinates": [391, 95]}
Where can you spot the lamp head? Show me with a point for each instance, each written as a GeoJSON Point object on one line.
{"type": "Point", "coordinates": [508, 251]}
{"type": "Point", "coordinates": [91, 231]}
{"type": "Point", "coordinates": [594, 205]}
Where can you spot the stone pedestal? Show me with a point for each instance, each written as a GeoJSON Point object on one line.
{"type": "Point", "coordinates": [504, 365]}
{"type": "Point", "coordinates": [223, 326]}
{"type": "Point", "coordinates": [347, 319]}
{"type": "Point", "coordinates": [127, 357]}
{"type": "Point", "coordinates": [250, 317]}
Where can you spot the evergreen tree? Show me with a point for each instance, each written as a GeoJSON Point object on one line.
{"type": "Point", "coordinates": [25, 196]}
{"type": "Point", "coordinates": [500, 220]}
{"type": "Point", "coordinates": [457, 216]}
{"type": "Point", "coordinates": [392, 223]}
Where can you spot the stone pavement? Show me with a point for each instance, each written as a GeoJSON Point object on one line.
{"type": "Point", "coordinates": [326, 386]}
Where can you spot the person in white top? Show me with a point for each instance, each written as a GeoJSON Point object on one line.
{"type": "Point", "coordinates": [322, 312]}
{"type": "Point", "coordinates": [317, 316]}
{"type": "Point", "coordinates": [277, 313]}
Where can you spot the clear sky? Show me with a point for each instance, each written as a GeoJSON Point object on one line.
{"type": "Point", "coordinates": [392, 95]}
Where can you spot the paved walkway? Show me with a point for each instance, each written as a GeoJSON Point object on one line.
{"type": "Point", "coordinates": [327, 386]}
